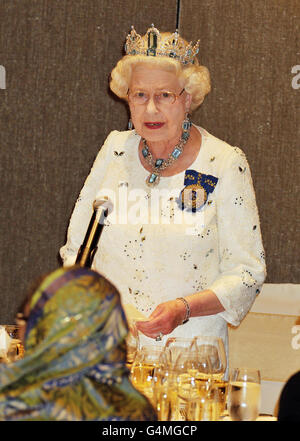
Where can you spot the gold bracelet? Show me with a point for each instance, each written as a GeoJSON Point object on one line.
{"type": "Point", "coordinates": [188, 309]}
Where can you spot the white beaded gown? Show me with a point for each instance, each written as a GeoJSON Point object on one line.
{"type": "Point", "coordinates": [153, 250]}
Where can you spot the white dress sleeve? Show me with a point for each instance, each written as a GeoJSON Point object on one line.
{"type": "Point", "coordinates": [83, 209]}
{"type": "Point", "coordinates": [242, 260]}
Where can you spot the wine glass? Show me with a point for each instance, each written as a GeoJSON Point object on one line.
{"type": "Point", "coordinates": [143, 368]}
{"type": "Point", "coordinates": [132, 344]}
{"type": "Point", "coordinates": [213, 348]}
{"type": "Point", "coordinates": [244, 394]}
{"type": "Point", "coordinates": [193, 381]}
{"type": "Point", "coordinates": [165, 388]}
{"type": "Point", "coordinates": [175, 346]}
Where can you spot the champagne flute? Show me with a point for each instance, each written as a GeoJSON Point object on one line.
{"type": "Point", "coordinates": [244, 394]}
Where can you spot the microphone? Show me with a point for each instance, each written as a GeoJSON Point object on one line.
{"type": "Point", "coordinates": [87, 251]}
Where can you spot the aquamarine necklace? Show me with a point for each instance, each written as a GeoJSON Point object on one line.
{"type": "Point", "coordinates": [159, 164]}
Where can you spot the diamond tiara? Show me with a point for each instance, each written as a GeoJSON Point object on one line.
{"type": "Point", "coordinates": [155, 46]}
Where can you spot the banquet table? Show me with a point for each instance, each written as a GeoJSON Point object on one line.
{"type": "Point", "coordinates": [261, 417]}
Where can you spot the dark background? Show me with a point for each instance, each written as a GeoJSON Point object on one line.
{"type": "Point", "coordinates": [57, 110]}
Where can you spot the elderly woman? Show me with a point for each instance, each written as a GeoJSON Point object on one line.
{"type": "Point", "coordinates": [182, 243]}
{"type": "Point", "coordinates": [74, 367]}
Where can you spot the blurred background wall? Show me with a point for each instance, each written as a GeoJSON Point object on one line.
{"type": "Point", "coordinates": [56, 110]}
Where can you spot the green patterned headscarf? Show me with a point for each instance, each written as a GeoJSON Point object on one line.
{"type": "Point", "coordinates": [75, 356]}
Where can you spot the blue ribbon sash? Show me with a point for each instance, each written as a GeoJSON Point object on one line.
{"type": "Point", "coordinates": [197, 187]}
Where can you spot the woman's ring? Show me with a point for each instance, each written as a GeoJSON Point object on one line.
{"type": "Point", "coordinates": [159, 337]}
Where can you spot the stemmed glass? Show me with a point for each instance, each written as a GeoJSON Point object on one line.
{"type": "Point", "coordinates": [213, 348]}
{"type": "Point", "coordinates": [193, 376]}
{"type": "Point", "coordinates": [143, 369]}
{"type": "Point", "coordinates": [175, 346]}
{"type": "Point", "coordinates": [165, 387]}
{"type": "Point", "coordinates": [244, 394]}
{"type": "Point", "coordinates": [132, 344]}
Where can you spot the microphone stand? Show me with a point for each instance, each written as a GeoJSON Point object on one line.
{"type": "Point", "coordinates": [89, 246]}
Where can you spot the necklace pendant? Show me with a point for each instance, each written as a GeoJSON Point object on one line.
{"type": "Point", "coordinates": [176, 153]}
{"type": "Point", "coordinates": [152, 180]}
{"type": "Point", "coordinates": [159, 163]}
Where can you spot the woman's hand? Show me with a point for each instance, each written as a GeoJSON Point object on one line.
{"type": "Point", "coordinates": [167, 316]}
{"type": "Point", "coordinates": [164, 319]}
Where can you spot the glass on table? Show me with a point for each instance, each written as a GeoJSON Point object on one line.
{"type": "Point", "coordinates": [213, 348]}
{"type": "Point", "coordinates": [175, 346]}
{"type": "Point", "coordinates": [143, 369]}
{"type": "Point", "coordinates": [210, 405]}
{"type": "Point", "coordinates": [244, 394]}
{"type": "Point", "coordinates": [184, 390]}
{"type": "Point", "coordinates": [165, 389]}
{"type": "Point", "coordinates": [132, 344]}
{"type": "Point", "coordinates": [193, 378]}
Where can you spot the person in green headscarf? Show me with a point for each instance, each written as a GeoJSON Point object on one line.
{"type": "Point", "coordinates": [74, 366]}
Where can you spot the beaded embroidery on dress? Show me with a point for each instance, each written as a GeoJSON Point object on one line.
{"type": "Point", "coordinates": [156, 258]}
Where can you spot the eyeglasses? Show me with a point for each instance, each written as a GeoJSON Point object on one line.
{"type": "Point", "coordinates": [162, 98]}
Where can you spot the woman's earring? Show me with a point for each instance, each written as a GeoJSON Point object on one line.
{"type": "Point", "coordinates": [186, 126]}
{"type": "Point", "coordinates": [130, 124]}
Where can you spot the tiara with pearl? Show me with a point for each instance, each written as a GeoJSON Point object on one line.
{"type": "Point", "coordinates": [155, 46]}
